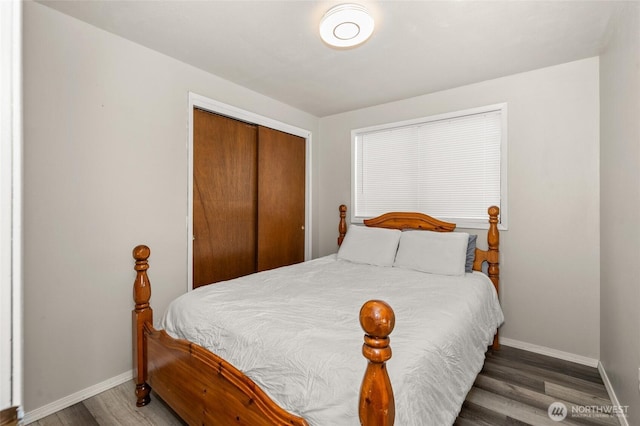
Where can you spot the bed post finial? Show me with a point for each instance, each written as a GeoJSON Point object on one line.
{"type": "Point", "coordinates": [141, 288]}
{"type": "Point", "coordinates": [141, 314]}
{"type": "Point", "coordinates": [377, 406]}
{"type": "Point", "coordinates": [493, 257]}
{"type": "Point", "coordinates": [342, 226]}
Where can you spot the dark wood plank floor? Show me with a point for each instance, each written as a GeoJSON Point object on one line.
{"type": "Point", "coordinates": [515, 388]}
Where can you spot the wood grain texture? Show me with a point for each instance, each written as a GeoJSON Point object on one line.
{"type": "Point", "coordinates": [281, 199]}
{"type": "Point", "coordinates": [205, 389]}
{"type": "Point", "coordinates": [408, 220]}
{"type": "Point", "coordinates": [225, 201]}
{"type": "Point", "coordinates": [114, 406]}
{"type": "Point", "coordinates": [9, 416]}
{"type": "Point", "coordinates": [516, 387]}
{"type": "Point", "coordinates": [76, 415]}
{"type": "Point", "coordinates": [142, 314]}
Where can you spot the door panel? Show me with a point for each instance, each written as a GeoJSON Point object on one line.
{"type": "Point", "coordinates": [224, 198]}
{"type": "Point", "coordinates": [281, 198]}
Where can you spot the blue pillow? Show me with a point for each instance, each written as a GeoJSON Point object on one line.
{"type": "Point", "coordinates": [471, 253]}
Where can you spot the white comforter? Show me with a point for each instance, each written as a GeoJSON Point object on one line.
{"type": "Point", "coordinates": [295, 332]}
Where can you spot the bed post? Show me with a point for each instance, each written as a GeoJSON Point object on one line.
{"type": "Point", "coordinates": [493, 258]}
{"type": "Point", "coordinates": [377, 406]}
{"type": "Point", "coordinates": [342, 226]}
{"type": "Point", "coordinates": [141, 314]}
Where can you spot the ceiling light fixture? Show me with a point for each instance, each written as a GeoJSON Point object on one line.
{"type": "Point", "coordinates": [346, 25]}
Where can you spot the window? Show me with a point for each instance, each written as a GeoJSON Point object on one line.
{"type": "Point", "coordinates": [450, 166]}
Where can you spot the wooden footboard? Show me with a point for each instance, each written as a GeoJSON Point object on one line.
{"type": "Point", "coordinates": [204, 389]}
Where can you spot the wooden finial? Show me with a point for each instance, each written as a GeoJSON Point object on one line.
{"type": "Point", "coordinates": [377, 406]}
{"type": "Point", "coordinates": [342, 226]}
{"type": "Point", "coordinates": [141, 253]}
{"type": "Point", "coordinates": [493, 237]}
{"type": "Point", "coordinates": [141, 286]}
{"type": "Point", "coordinates": [494, 211]}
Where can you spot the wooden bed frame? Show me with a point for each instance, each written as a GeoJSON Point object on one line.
{"type": "Point", "coordinates": [204, 389]}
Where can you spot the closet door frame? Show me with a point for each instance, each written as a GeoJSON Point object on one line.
{"type": "Point", "coordinates": [207, 104]}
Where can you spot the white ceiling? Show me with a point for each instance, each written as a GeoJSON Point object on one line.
{"type": "Point", "coordinates": [418, 47]}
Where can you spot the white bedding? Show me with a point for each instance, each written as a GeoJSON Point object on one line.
{"type": "Point", "coordinates": [295, 332]}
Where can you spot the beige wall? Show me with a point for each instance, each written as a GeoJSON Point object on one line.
{"type": "Point", "coordinates": [550, 254]}
{"type": "Point", "coordinates": [620, 208]}
{"type": "Point", "coordinates": [105, 169]}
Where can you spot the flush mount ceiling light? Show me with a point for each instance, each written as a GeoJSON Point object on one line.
{"type": "Point", "coordinates": [346, 25]}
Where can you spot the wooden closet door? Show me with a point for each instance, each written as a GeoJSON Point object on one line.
{"type": "Point", "coordinates": [281, 198]}
{"type": "Point", "coordinates": [224, 198]}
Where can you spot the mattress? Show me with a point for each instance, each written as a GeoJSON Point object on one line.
{"type": "Point", "coordinates": [295, 332]}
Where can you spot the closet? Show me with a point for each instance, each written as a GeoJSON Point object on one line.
{"type": "Point", "coordinates": [248, 198]}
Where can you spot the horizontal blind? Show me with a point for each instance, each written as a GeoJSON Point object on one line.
{"type": "Point", "coordinates": [447, 168]}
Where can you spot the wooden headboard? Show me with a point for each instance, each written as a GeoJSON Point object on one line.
{"type": "Point", "coordinates": [405, 220]}
{"type": "Point", "coordinates": [411, 220]}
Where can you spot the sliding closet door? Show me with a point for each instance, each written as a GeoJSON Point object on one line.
{"type": "Point", "coordinates": [224, 198]}
{"type": "Point", "coordinates": [281, 198]}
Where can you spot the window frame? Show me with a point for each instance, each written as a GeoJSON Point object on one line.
{"type": "Point", "coordinates": [460, 222]}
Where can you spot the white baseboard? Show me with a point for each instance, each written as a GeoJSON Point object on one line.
{"type": "Point", "coordinates": [542, 350]}
{"type": "Point", "coordinates": [74, 398]}
{"type": "Point", "coordinates": [612, 394]}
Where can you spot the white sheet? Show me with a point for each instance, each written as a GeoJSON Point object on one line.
{"type": "Point", "coordinates": [295, 332]}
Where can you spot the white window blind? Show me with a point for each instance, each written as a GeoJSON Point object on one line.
{"type": "Point", "coordinates": [449, 168]}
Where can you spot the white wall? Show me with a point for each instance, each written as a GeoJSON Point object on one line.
{"type": "Point", "coordinates": [10, 204]}
{"type": "Point", "coordinates": [620, 208]}
{"type": "Point", "coordinates": [105, 169]}
{"type": "Point", "coordinates": [550, 254]}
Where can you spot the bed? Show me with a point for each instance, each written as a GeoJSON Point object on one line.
{"type": "Point", "coordinates": [281, 347]}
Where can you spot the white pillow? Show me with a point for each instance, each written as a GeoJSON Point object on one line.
{"type": "Point", "coordinates": [443, 253]}
{"type": "Point", "coordinates": [373, 246]}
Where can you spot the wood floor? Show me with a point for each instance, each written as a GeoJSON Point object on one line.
{"type": "Point", "coordinates": [515, 388]}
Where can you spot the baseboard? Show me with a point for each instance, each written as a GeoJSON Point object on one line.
{"type": "Point", "coordinates": [612, 394]}
{"type": "Point", "coordinates": [542, 350]}
{"type": "Point", "coordinates": [74, 398]}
